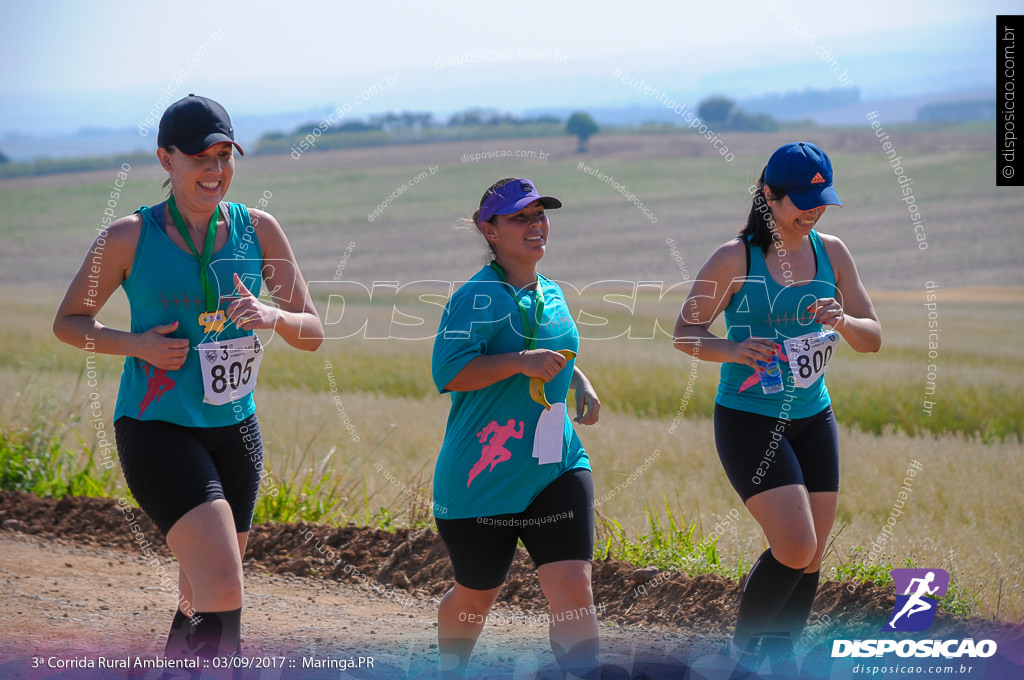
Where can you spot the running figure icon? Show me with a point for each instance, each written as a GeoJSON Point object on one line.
{"type": "Point", "coordinates": [916, 603]}
{"type": "Point", "coordinates": [494, 452]}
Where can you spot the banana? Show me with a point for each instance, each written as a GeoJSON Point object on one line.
{"type": "Point", "coordinates": [537, 384]}
{"type": "Point", "coordinates": [537, 392]}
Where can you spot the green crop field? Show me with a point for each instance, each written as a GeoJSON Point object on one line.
{"type": "Point", "coordinates": [653, 451]}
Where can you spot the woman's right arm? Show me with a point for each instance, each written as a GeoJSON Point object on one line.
{"type": "Point", "coordinates": [105, 267]}
{"type": "Point", "coordinates": [485, 370]}
{"type": "Point", "coordinates": [720, 277]}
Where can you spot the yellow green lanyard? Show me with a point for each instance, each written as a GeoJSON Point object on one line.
{"type": "Point", "coordinates": [204, 260]}
{"type": "Point", "coordinates": [524, 308]}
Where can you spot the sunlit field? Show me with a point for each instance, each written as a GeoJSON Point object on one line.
{"type": "Point", "coordinates": [352, 430]}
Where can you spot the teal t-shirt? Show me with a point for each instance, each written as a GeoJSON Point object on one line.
{"type": "Point", "coordinates": [486, 465]}
{"type": "Point", "coordinates": [764, 308]}
{"type": "Point", "coordinates": [164, 286]}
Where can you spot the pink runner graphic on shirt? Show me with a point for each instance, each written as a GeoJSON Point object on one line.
{"type": "Point", "coordinates": [756, 377]}
{"type": "Point", "coordinates": [494, 452]}
{"type": "Point", "coordinates": [156, 386]}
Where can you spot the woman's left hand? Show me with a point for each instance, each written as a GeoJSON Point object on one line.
{"type": "Point", "coordinates": [588, 406]}
{"type": "Point", "coordinates": [248, 312]}
{"type": "Point", "coordinates": [827, 311]}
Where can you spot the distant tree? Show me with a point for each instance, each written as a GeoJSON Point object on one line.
{"type": "Point", "coordinates": [798, 104]}
{"type": "Point", "coordinates": [746, 122]}
{"type": "Point", "coordinates": [306, 129]}
{"type": "Point", "coordinates": [472, 117]}
{"type": "Point", "coordinates": [956, 112]}
{"type": "Point", "coordinates": [4, 158]}
{"type": "Point", "coordinates": [547, 118]}
{"type": "Point", "coordinates": [715, 109]}
{"type": "Point", "coordinates": [356, 126]}
{"type": "Point", "coordinates": [583, 126]}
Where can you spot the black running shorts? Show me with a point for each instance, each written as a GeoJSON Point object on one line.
{"type": "Point", "coordinates": [761, 453]}
{"type": "Point", "coordinates": [172, 469]}
{"type": "Point", "coordinates": [558, 525]}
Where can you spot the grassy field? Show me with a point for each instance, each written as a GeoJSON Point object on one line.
{"type": "Point", "coordinates": [965, 502]}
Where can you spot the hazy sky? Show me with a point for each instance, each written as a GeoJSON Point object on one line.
{"type": "Point", "coordinates": [81, 61]}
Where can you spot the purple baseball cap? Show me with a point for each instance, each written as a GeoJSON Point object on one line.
{"type": "Point", "coordinates": [194, 124]}
{"type": "Point", "coordinates": [511, 198]}
{"type": "Point", "coordinates": [805, 173]}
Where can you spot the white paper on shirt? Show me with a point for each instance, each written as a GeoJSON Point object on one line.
{"type": "Point", "coordinates": [547, 439]}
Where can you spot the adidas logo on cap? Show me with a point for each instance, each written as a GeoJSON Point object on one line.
{"type": "Point", "coordinates": [817, 179]}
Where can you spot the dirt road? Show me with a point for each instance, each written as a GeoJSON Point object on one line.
{"type": "Point", "coordinates": [321, 601]}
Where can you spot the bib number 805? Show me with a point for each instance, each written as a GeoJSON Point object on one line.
{"type": "Point", "coordinates": [229, 368]}
{"type": "Point", "coordinates": [234, 376]}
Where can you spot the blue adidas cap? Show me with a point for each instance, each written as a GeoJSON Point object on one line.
{"type": "Point", "coordinates": [805, 173]}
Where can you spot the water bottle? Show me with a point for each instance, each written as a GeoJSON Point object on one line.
{"type": "Point", "coordinates": [771, 376]}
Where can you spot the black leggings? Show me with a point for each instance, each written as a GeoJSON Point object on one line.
{"type": "Point", "coordinates": [558, 525]}
{"type": "Point", "coordinates": [172, 469]}
{"type": "Point", "coordinates": [761, 453]}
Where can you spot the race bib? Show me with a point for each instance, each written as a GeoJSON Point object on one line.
{"type": "Point", "coordinates": [229, 368]}
{"type": "Point", "coordinates": [809, 356]}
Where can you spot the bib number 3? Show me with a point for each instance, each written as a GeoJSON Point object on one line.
{"type": "Point", "coordinates": [230, 368]}
{"type": "Point", "coordinates": [809, 356]}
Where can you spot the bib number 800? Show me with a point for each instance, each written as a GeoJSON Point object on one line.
{"type": "Point", "coordinates": [809, 356]}
{"type": "Point", "coordinates": [810, 364]}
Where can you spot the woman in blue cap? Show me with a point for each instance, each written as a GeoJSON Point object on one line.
{"type": "Point", "coordinates": [788, 293]}
{"type": "Point", "coordinates": [185, 421]}
{"type": "Point", "coordinates": [511, 466]}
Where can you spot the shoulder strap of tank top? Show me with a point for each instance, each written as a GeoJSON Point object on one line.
{"type": "Point", "coordinates": [746, 245]}
{"type": "Point", "coordinates": [815, 242]}
{"type": "Point", "coordinates": [225, 210]}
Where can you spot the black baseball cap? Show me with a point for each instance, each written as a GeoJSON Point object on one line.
{"type": "Point", "coordinates": [194, 124]}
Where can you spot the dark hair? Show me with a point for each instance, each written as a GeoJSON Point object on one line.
{"type": "Point", "coordinates": [167, 182]}
{"type": "Point", "coordinates": [760, 224]}
{"type": "Point", "coordinates": [476, 215]}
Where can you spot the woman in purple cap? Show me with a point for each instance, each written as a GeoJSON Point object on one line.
{"type": "Point", "coordinates": [780, 284]}
{"type": "Point", "coordinates": [185, 421]}
{"type": "Point", "coordinates": [511, 466]}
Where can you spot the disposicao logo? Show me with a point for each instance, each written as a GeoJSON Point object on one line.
{"type": "Point", "coordinates": [915, 608]}
{"type": "Point", "coordinates": [916, 602]}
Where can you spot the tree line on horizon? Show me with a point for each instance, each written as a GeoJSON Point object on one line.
{"type": "Point", "coordinates": [717, 110]}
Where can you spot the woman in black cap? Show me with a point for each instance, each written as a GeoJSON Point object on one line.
{"type": "Point", "coordinates": [187, 434]}
{"type": "Point", "coordinates": [511, 466]}
{"type": "Point", "coordinates": [778, 284]}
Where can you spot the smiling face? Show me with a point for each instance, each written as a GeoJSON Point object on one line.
{"type": "Point", "coordinates": [789, 219]}
{"type": "Point", "coordinates": [200, 182]}
{"type": "Point", "coordinates": [519, 237]}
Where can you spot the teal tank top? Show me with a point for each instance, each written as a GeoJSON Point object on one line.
{"type": "Point", "coordinates": [164, 286]}
{"type": "Point", "coordinates": [766, 309]}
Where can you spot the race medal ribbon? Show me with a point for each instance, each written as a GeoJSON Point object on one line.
{"type": "Point", "coordinates": [212, 319]}
{"type": "Point", "coordinates": [550, 431]}
{"type": "Point", "coordinates": [530, 329]}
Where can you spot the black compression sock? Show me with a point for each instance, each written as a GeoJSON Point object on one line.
{"type": "Point", "coordinates": [215, 633]}
{"type": "Point", "coordinates": [177, 639]}
{"type": "Point", "coordinates": [792, 617]}
{"type": "Point", "coordinates": [766, 591]}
